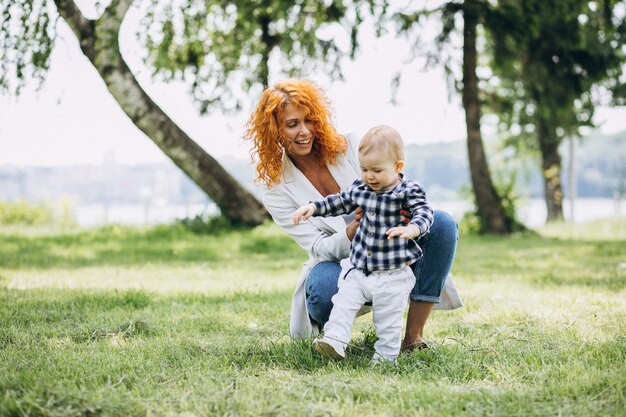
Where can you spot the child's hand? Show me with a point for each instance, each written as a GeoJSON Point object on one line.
{"type": "Point", "coordinates": [303, 213]}
{"type": "Point", "coordinates": [407, 232]}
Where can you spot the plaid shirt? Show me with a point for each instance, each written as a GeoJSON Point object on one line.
{"type": "Point", "coordinates": [371, 250]}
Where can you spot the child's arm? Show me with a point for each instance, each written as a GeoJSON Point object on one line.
{"type": "Point", "coordinates": [421, 214]}
{"type": "Point", "coordinates": [411, 231]}
{"type": "Point", "coordinates": [303, 213]}
{"type": "Point", "coordinates": [332, 205]}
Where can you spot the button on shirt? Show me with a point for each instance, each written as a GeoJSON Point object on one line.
{"type": "Point", "coordinates": [371, 250]}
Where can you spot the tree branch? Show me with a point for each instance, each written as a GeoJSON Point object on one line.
{"type": "Point", "coordinates": [99, 41]}
{"type": "Point", "coordinates": [80, 25]}
{"type": "Point", "coordinates": [114, 14]}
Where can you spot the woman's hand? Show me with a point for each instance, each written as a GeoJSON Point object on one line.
{"type": "Point", "coordinates": [405, 213]}
{"type": "Point", "coordinates": [351, 229]}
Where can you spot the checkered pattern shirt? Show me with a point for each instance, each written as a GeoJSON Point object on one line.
{"type": "Point", "coordinates": [371, 250]}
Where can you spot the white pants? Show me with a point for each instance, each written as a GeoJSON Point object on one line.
{"type": "Point", "coordinates": [389, 293]}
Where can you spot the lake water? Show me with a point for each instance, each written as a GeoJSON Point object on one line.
{"type": "Point", "coordinates": [532, 212]}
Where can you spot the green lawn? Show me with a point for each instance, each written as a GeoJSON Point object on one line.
{"type": "Point", "coordinates": [164, 322]}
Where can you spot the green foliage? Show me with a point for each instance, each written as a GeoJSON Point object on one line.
{"type": "Point", "coordinates": [507, 190]}
{"type": "Point", "coordinates": [472, 223]}
{"type": "Point", "coordinates": [27, 36]}
{"type": "Point", "coordinates": [548, 57]}
{"type": "Point", "coordinates": [542, 64]}
{"type": "Point", "coordinates": [506, 170]}
{"type": "Point", "coordinates": [225, 47]}
{"type": "Point", "coordinates": [541, 333]}
{"type": "Point", "coordinates": [22, 212]}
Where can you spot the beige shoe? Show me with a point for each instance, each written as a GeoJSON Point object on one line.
{"type": "Point", "coordinates": [324, 347]}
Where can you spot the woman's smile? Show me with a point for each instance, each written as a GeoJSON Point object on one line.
{"type": "Point", "coordinates": [298, 131]}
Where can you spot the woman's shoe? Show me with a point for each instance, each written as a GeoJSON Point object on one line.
{"type": "Point", "coordinates": [419, 344]}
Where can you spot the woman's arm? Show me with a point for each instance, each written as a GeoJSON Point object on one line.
{"type": "Point", "coordinates": [317, 243]}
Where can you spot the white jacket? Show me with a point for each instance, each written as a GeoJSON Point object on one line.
{"type": "Point", "coordinates": [323, 238]}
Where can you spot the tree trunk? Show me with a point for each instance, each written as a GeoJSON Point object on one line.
{"type": "Point", "coordinates": [551, 168]}
{"type": "Point", "coordinates": [572, 189]}
{"type": "Point", "coordinates": [99, 42]}
{"type": "Point", "coordinates": [488, 203]}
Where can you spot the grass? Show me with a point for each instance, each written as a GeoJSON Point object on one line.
{"type": "Point", "coordinates": [121, 321]}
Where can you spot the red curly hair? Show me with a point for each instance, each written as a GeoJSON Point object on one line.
{"type": "Point", "coordinates": [264, 127]}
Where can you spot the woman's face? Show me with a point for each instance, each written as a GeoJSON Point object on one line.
{"type": "Point", "coordinates": [298, 132]}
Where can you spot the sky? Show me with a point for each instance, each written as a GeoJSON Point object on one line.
{"type": "Point", "coordinates": [74, 120]}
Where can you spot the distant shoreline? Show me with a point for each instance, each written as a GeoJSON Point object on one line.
{"type": "Point", "coordinates": [532, 212]}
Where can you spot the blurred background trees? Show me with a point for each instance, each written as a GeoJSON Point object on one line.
{"type": "Point", "coordinates": [544, 65]}
{"type": "Point", "coordinates": [551, 61]}
{"type": "Point", "coordinates": [223, 47]}
{"type": "Point", "coordinates": [538, 68]}
{"type": "Point", "coordinates": [465, 18]}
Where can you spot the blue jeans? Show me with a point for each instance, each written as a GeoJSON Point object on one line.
{"type": "Point", "coordinates": [431, 270]}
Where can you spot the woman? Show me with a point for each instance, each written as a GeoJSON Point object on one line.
{"type": "Point", "coordinates": [301, 157]}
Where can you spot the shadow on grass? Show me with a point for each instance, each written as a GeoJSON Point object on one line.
{"type": "Point", "coordinates": [544, 262]}
{"type": "Point", "coordinates": [614, 281]}
{"type": "Point", "coordinates": [90, 316]}
{"type": "Point", "coordinates": [127, 246]}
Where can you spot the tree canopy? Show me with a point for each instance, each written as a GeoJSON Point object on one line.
{"type": "Point", "coordinates": [222, 46]}
{"type": "Point", "coordinates": [27, 38]}
{"type": "Point", "coordinates": [219, 45]}
{"type": "Point", "coordinates": [538, 65]}
{"type": "Point", "coordinates": [464, 18]}
{"type": "Point", "coordinates": [550, 61]}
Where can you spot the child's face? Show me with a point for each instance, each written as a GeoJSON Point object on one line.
{"type": "Point", "coordinates": [379, 170]}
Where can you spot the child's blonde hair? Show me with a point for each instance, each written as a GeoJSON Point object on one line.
{"type": "Point", "coordinates": [383, 138]}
